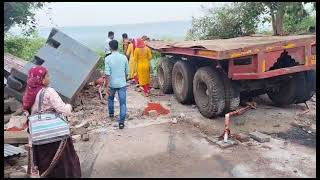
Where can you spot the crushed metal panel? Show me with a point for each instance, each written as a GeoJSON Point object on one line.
{"type": "Point", "coordinates": [70, 64]}
{"type": "Point", "coordinates": [10, 150]}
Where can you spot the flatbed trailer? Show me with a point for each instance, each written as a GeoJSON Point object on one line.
{"type": "Point", "coordinates": [215, 73]}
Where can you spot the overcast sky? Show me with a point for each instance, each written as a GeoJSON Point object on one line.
{"type": "Point", "coordinates": [111, 13]}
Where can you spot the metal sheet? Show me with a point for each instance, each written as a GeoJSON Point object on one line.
{"type": "Point", "coordinates": [10, 150]}
{"type": "Point", "coordinates": [228, 44]}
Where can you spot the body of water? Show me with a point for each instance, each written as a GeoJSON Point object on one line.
{"type": "Point", "coordinates": [95, 36]}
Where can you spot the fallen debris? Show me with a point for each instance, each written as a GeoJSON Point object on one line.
{"type": "Point", "coordinates": [15, 137]}
{"type": "Point", "coordinates": [260, 137]}
{"type": "Point", "coordinates": [226, 144]}
{"type": "Point", "coordinates": [85, 137]}
{"type": "Point", "coordinates": [153, 113]}
{"type": "Point", "coordinates": [242, 137]}
{"type": "Point", "coordinates": [17, 123]}
{"type": "Point", "coordinates": [267, 147]}
{"type": "Point", "coordinates": [11, 105]}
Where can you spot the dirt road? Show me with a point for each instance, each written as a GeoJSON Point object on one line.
{"type": "Point", "coordinates": [155, 147]}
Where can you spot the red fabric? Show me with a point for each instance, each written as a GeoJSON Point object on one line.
{"type": "Point", "coordinates": [156, 106]}
{"type": "Point", "coordinates": [140, 43]}
{"type": "Point", "coordinates": [34, 85]}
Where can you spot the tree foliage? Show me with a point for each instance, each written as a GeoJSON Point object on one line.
{"type": "Point", "coordinates": [22, 46]}
{"type": "Point", "coordinates": [243, 18]}
{"type": "Point", "coordinates": [21, 13]}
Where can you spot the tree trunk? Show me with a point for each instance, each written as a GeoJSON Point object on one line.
{"type": "Point", "coordinates": [279, 22]}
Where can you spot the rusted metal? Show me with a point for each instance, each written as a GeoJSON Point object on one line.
{"type": "Point", "coordinates": [227, 132]}
{"type": "Point", "coordinates": [233, 47]}
{"type": "Point", "coordinates": [272, 73]}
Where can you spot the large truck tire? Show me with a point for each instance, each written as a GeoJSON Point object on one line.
{"type": "Point", "coordinates": [231, 93]}
{"type": "Point", "coordinates": [208, 92]}
{"type": "Point", "coordinates": [182, 80]}
{"type": "Point", "coordinates": [165, 75]}
{"type": "Point", "coordinates": [299, 89]}
{"type": "Point", "coordinates": [306, 88]}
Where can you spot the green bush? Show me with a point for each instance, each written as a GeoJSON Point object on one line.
{"type": "Point", "coordinates": [24, 47]}
{"type": "Point", "coordinates": [101, 53]}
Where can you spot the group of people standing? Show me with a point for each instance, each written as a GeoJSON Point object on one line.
{"type": "Point", "coordinates": [139, 57]}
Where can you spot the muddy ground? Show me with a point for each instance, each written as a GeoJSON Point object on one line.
{"type": "Point", "coordinates": [159, 147]}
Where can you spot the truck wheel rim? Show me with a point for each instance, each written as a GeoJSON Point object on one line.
{"type": "Point", "coordinates": [179, 82]}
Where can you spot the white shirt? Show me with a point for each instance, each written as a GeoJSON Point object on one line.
{"type": "Point", "coordinates": [107, 47]}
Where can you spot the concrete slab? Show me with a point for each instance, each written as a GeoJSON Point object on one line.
{"type": "Point", "coordinates": [258, 136]}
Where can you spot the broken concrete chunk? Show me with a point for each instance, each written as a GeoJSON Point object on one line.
{"type": "Point", "coordinates": [85, 137]}
{"type": "Point", "coordinates": [227, 144]}
{"type": "Point", "coordinates": [18, 175]}
{"type": "Point", "coordinates": [79, 130]}
{"type": "Point", "coordinates": [12, 105]}
{"type": "Point", "coordinates": [260, 137]}
{"type": "Point", "coordinates": [6, 118]}
{"type": "Point", "coordinates": [17, 122]}
{"type": "Point", "coordinates": [15, 137]}
{"type": "Point", "coordinates": [153, 113]}
{"type": "Point", "coordinates": [242, 137]}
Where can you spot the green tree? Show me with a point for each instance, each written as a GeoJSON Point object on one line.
{"type": "Point", "coordinates": [21, 13]}
{"type": "Point", "coordinates": [242, 18]}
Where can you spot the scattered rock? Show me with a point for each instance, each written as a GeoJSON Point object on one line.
{"type": "Point", "coordinates": [17, 122]}
{"type": "Point", "coordinates": [153, 113]}
{"type": "Point", "coordinates": [12, 105]}
{"type": "Point", "coordinates": [85, 137]}
{"type": "Point", "coordinates": [182, 116]}
{"type": "Point", "coordinates": [6, 118]}
{"type": "Point", "coordinates": [276, 125]}
{"type": "Point", "coordinates": [79, 130]}
{"type": "Point", "coordinates": [193, 106]}
{"type": "Point", "coordinates": [309, 132]}
{"type": "Point", "coordinates": [15, 137]}
{"type": "Point", "coordinates": [76, 138]}
{"type": "Point", "coordinates": [93, 123]}
{"type": "Point", "coordinates": [18, 175]}
{"type": "Point", "coordinates": [295, 171]}
{"type": "Point", "coordinates": [86, 125]}
{"type": "Point", "coordinates": [267, 147]}
{"type": "Point", "coordinates": [169, 104]}
{"type": "Point", "coordinates": [174, 120]}
{"type": "Point", "coordinates": [212, 139]}
{"type": "Point", "coordinates": [227, 144]}
{"type": "Point", "coordinates": [242, 137]}
{"type": "Point", "coordinates": [259, 137]}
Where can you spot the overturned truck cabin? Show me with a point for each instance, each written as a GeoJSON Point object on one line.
{"type": "Point", "coordinates": [217, 74]}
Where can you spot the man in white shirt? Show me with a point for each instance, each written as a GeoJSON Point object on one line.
{"type": "Point", "coordinates": [110, 38]}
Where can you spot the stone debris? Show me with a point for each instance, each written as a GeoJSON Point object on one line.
{"type": "Point", "coordinates": [153, 113]}
{"type": "Point", "coordinates": [18, 175]}
{"type": "Point", "coordinates": [227, 144]}
{"type": "Point", "coordinates": [15, 137]}
{"type": "Point", "coordinates": [174, 121]}
{"type": "Point", "coordinates": [260, 137]}
{"type": "Point", "coordinates": [17, 123]}
{"type": "Point", "coordinates": [6, 118]}
{"type": "Point", "coordinates": [85, 137]}
{"type": "Point", "coordinates": [242, 137]}
{"type": "Point", "coordinates": [267, 147]}
{"type": "Point", "coordinates": [79, 131]}
{"type": "Point", "coordinates": [11, 105]}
